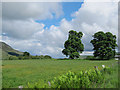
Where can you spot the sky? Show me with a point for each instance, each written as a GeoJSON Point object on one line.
{"type": "Point", "coordinates": [42, 28]}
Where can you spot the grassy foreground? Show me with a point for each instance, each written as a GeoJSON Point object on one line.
{"type": "Point", "coordinates": [20, 72]}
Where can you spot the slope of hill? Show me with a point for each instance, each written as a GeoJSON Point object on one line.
{"type": "Point", "coordinates": [7, 51]}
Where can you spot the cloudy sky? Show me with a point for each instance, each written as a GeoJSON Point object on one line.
{"type": "Point", "coordinates": [42, 28]}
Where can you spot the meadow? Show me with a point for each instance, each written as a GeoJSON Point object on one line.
{"type": "Point", "coordinates": [19, 72]}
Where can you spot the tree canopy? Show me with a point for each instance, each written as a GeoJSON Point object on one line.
{"type": "Point", "coordinates": [26, 54]}
{"type": "Point", "coordinates": [104, 45]}
{"type": "Point", "coordinates": [73, 46]}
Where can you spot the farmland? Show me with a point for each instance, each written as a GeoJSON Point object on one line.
{"type": "Point", "coordinates": [20, 72]}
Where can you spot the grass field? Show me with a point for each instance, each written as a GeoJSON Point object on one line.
{"type": "Point", "coordinates": [20, 72]}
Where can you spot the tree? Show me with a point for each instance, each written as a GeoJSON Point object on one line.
{"type": "Point", "coordinates": [104, 45]}
{"type": "Point", "coordinates": [26, 54]}
{"type": "Point", "coordinates": [47, 57]}
{"type": "Point", "coordinates": [73, 46]}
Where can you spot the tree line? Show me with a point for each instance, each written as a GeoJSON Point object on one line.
{"type": "Point", "coordinates": [26, 55]}
{"type": "Point", "coordinates": [103, 45]}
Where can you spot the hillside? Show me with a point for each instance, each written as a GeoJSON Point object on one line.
{"type": "Point", "coordinates": [6, 51]}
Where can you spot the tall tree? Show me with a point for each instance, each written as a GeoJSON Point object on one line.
{"type": "Point", "coordinates": [104, 45]}
{"type": "Point", "coordinates": [73, 46]}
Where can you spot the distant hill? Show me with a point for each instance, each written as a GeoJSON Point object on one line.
{"type": "Point", "coordinates": [6, 51]}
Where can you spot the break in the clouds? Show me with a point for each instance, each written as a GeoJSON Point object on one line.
{"type": "Point", "coordinates": [22, 32]}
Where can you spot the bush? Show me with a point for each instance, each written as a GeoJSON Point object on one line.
{"type": "Point", "coordinates": [13, 58]}
{"type": "Point", "coordinates": [47, 57]}
{"type": "Point", "coordinates": [25, 57]}
{"type": "Point", "coordinates": [26, 54]}
{"type": "Point", "coordinates": [107, 70]}
{"type": "Point", "coordinates": [41, 57]}
{"type": "Point", "coordinates": [81, 80]}
{"type": "Point", "coordinates": [38, 57]}
{"type": "Point", "coordinates": [20, 57]}
{"type": "Point", "coordinates": [34, 57]}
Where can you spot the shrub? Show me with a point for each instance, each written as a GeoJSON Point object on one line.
{"type": "Point", "coordinates": [81, 80]}
{"type": "Point", "coordinates": [95, 76]}
{"type": "Point", "coordinates": [34, 57]}
{"type": "Point", "coordinates": [107, 70]}
{"type": "Point", "coordinates": [24, 57]}
{"type": "Point", "coordinates": [41, 57]}
{"type": "Point", "coordinates": [13, 58]}
{"type": "Point", "coordinates": [26, 54]}
{"type": "Point", "coordinates": [47, 57]}
{"type": "Point", "coordinates": [20, 57]}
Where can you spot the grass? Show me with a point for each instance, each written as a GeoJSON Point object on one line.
{"type": "Point", "coordinates": [111, 80]}
{"type": "Point", "coordinates": [20, 72]}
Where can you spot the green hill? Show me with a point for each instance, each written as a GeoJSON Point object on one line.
{"type": "Point", "coordinates": [6, 51]}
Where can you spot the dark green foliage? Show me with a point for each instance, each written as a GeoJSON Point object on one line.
{"type": "Point", "coordinates": [27, 54]}
{"type": "Point", "coordinates": [47, 57]}
{"type": "Point", "coordinates": [41, 57]}
{"type": "Point", "coordinates": [73, 46]}
{"type": "Point", "coordinates": [104, 45]}
{"type": "Point", "coordinates": [25, 57]}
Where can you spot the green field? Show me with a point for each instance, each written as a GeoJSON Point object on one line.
{"type": "Point", "coordinates": [20, 72]}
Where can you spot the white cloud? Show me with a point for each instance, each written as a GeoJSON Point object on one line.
{"type": "Point", "coordinates": [28, 10]}
{"type": "Point", "coordinates": [101, 13]}
{"type": "Point", "coordinates": [87, 53]}
{"type": "Point", "coordinates": [20, 29]}
{"type": "Point", "coordinates": [90, 18]}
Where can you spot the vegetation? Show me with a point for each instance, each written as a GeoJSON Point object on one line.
{"type": "Point", "coordinates": [91, 58]}
{"type": "Point", "coordinates": [84, 79]}
{"type": "Point", "coordinates": [118, 53]}
{"type": "Point", "coordinates": [104, 45]}
{"type": "Point", "coordinates": [7, 51]}
{"type": "Point", "coordinates": [26, 54]}
{"type": "Point", "coordinates": [73, 46]}
{"type": "Point", "coordinates": [39, 71]}
{"type": "Point", "coordinates": [20, 72]}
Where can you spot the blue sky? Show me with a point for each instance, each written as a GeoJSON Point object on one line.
{"type": "Point", "coordinates": [68, 9]}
